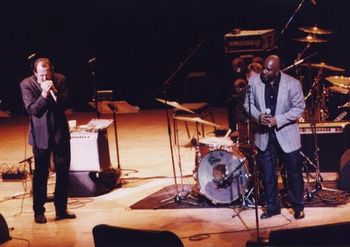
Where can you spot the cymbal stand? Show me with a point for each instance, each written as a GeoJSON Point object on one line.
{"type": "Point", "coordinates": [178, 198]}
{"type": "Point", "coordinates": [246, 196]}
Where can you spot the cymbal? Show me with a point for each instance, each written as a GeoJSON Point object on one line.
{"type": "Point", "coordinates": [315, 30]}
{"type": "Point", "coordinates": [197, 120]}
{"type": "Point", "coordinates": [324, 66]}
{"type": "Point", "coordinates": [338, 89]}
{"type": "Point", "coordinates": [175, 105]}
{"type": "Point", "coordinates": [311, 39]}
{"type": "Point", "coordinates": [340, 81]}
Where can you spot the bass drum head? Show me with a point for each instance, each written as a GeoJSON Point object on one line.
{"type": "Point", "coordinates": [219, 176]}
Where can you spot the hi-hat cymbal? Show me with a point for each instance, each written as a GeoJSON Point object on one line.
{"type": "Point", "coordinates": [324, 66]}
{"type": "Point", "coordinates": [197, 120]}
{"type": "Point", "coordinates": [311, 39]}
{"type": "Point", "coordinates": [175, 105]}
{"type": "Point", "coordinates": [315, 30]}
{"type": "Point", "coordinates": [340, 81]}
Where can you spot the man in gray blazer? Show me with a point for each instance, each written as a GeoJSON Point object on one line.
{"type": "Point", "coordinates": [276, 102]}
{"type": "Point", "coordinates": [45, 97]}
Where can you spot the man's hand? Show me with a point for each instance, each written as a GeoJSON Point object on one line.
{"type": "Point", "coordinates": [264, 119]}
{"type": "Point", "coordinates": [267, 120]}
{"type": "Point", "coordinates": [46, 86]}
{"type": "Point", "coordinates": [272, 122]}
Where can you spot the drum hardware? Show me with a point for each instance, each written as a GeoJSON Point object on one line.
{"type": "Point", "coordinates": [319, 98]}
{"type": "Point", "coordinates": [318, 178]}
{"type": "Point", "coordinates": [179, 197]}
{"type": "Point", "coordinates": [309, 192]}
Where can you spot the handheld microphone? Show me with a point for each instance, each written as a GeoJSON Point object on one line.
{"type": "Point", "coordinates": [53, 95]}
{"type": "Point", "coordinates": [268, 112]}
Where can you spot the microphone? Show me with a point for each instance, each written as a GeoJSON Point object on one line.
{"type": "Point", "coordinates": [268, 112]}
{"type": "Point", "coordinates": [92, 60]}
{"type": "Point", "coordinates": [31, 56]}
{"type": "Point", "coordinates": [53, 95]}
{"type": "Point", "coordinates": [298, 62]}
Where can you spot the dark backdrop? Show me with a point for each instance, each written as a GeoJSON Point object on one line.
{"type": "Point", "coordinates": [139, 43]}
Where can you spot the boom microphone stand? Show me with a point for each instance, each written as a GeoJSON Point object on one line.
{"type": "Point", "coordinates": [177, 198]}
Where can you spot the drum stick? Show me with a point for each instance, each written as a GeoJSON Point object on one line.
{"type": "Point", "coordinates": [228, 133]}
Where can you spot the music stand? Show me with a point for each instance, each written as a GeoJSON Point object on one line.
{"type": "Point", "coordinates": [114, 107]}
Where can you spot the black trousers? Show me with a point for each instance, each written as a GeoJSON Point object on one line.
{"type": "Point", "coordinates": [267, 161]}
{"type": "Point", "coordinates": [61, 159]}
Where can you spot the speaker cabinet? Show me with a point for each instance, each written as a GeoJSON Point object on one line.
{"type": "Point", "coordinates": [330, 147]}
{"type": "Point", "coordinates": [86, 184]}
{"type": "Point", "coordinates": [4, 230]}
{"type": "Point", "coordinates": [324, 235]}
{"type": "Point", "coordinates": [105, 235]}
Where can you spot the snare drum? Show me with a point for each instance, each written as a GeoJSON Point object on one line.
{"type": "Point", "coordinates": [208, 144]}
{"type": "Point", "coordinates": [213, 143]}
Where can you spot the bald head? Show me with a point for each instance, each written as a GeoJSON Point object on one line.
{"type": "Point", "coordinates": [272, 67]}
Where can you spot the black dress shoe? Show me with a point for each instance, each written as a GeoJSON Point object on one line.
{"type": "Point", "coordinates": [40, 218]}
{"type": "Point", "coordinates": [299, 214]}
{"type": "Point", "coordinates": [268, 214]}
{"type": "Point", "coordinates": [65, 215]}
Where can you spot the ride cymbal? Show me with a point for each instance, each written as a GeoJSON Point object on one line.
{"type": "Point", "coordinates": [324, 66]}
{"type": "Point", "coordinates": [315, 30]}
{"type": "Point", "coordinates": [310, 39]}
{"type": "Point", "coordinates": [340, 81]}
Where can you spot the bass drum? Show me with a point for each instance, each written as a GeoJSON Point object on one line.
{"type": "Point", "coordinates": [223, 176]}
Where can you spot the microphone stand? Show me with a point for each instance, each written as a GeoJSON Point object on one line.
{"type": "Point", "coordinates": [286, 26]}
{"type": "Point", "coordinates": [255, 170]}
{"type": "Point", "coordinates": [115, 110]}
{"type": "Point", "coordinates": [292, 17]}
{"type": "Point", "coordinates": [91, 62]}
{"type": "Point", "coordinates": [177, 198]}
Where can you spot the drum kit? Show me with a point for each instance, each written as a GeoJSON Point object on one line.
{"type": "Point", "coordinates": [221, 170]}
{"type": "Point", "coordinates": [327, 94]}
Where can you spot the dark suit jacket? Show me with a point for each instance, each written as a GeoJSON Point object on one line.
{"type": "Point", "coordinates": [48, 120]}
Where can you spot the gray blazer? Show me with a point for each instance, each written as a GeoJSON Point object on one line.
{"type": "Point", "coordinates": [290, 106]}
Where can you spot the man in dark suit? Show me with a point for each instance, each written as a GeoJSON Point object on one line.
{"type": "Point", "coordinates": [45, 97]}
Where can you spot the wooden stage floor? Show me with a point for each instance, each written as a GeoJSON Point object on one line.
{"type": "Point", "coordinates": [143, 146]}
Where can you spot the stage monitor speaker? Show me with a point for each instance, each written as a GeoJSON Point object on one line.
{"type": "Point", "coordinates": [330, 147]}
{"type": "Point", "coordinates": [4, 230]}
{"type": "Point", "coordinates": [324, 235]}
{"type": "Point", "coordinates": [108, 236]}
{"type": "Point", "coordinates": [86, 184]}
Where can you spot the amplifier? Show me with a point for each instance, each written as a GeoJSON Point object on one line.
{"type": "Point", "coordinates": [249, 41]}
{"type": "Point", "coordinates": [89, 151]}
{"type": "Point", "coordinates": [330, 142]}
